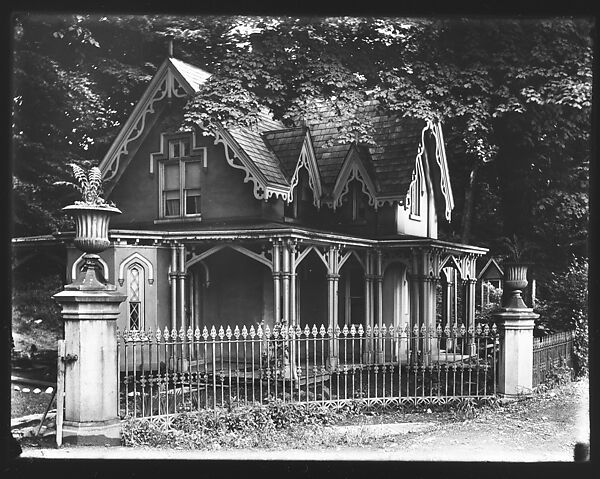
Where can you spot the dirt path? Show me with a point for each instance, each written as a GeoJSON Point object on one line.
{"type": "Point", "coordinates": [545, 428]}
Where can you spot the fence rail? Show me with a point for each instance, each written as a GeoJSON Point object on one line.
{"type": "Point", "coordinates": [551, 352]}
{"type": "Point", "coordinates": [164, 372]}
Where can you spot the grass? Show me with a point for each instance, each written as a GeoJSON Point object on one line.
{"type": "Point", "coordinates": [279, 425]}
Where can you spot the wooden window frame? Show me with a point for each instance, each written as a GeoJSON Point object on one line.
{"type": "Point", "coordinates": [141, 296]}
{"type": "Point", "coordinates": [195, 155]}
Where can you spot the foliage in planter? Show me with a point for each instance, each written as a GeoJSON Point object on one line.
{"type": "Point", "coordinates": [566, 308]}
{"type": "Point", "coordinates": [517, 249]}
{"type": "Point", "coordinates": [90, 186]}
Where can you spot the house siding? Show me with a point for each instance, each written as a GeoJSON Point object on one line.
{"type": "Point", "coordinates": [224, 193]}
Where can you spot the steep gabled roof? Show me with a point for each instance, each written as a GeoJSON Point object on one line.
{"type": "Point", "coordinates": [286, 144]}
{"type": "Point", "coordinates": [252, 142]}
{"type": "Point", "coordinates": [270, 154]}
{"type": "Point", "coordinates": [194, 76]}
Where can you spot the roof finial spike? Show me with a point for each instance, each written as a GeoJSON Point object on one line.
{"type": "Point", "coordinates": [170, 48]}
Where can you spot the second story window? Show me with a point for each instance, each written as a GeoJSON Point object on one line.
{"type": "Point", "coordinates": [180, 181]}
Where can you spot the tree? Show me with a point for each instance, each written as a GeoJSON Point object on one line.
{"type": "Point", "coordinates": [514, 97]}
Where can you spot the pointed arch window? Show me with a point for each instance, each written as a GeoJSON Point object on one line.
{"type": "Point", "coordinates": [135, 296]}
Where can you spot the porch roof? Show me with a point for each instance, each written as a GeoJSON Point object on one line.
{"type": "Point", "coordinates": [267, 231]}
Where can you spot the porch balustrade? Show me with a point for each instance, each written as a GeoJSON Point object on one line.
{"type": "Point", "coordinates": [165, 372]}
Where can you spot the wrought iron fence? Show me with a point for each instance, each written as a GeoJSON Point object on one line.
{"type": "Point", "coordinates": [164, 372]}
{"type": "Point", "coordinates": [550, 353]}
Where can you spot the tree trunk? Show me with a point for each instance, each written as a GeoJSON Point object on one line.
{"type": "Point", "coordinates": [467, 216]}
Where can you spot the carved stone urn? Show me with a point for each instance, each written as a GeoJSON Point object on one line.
{"type": "Point", "coordinates": [91, 237]}
{"type": "Point", "coordinates": [91, 226]}
{"type": "Point", "coordinates": [515, 281]}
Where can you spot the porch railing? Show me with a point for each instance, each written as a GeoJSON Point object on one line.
{"type": "Point", "coordinates": [551, 352]}
{"type": "Point", "coordinates": [164, 372]}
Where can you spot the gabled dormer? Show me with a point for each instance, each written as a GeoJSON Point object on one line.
{"type": "Point", "coordinates": [173, 80]}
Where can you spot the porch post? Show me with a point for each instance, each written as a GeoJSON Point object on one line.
{"type": "Point", "coordinates": [173, 282]}
{"type": "Point", "coordinates": [368, 350]}
{"type": "Point", "coordinates": [449, 297]}
{"type": "Point", "coordinates": [291, 249]}
{"type": "Point", "coordinates": [276, 281]}
{"type": "Point", "coordinates": [181, 288]}
{"type": "Point", "coordinates": [415, 295]}
{"type": "Point", "coordinates": [470, 306]}
{"type": "Point", "coordinates": [286, 283]}
{"type": "Point", "coordinates": [293, 306]}
{"type": "Point", "coordinates": [379, 280]}
{"type": "Point", "coordinates": [332, 302]}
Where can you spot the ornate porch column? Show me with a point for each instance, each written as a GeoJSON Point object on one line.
{"type": "Point", "coordinates": [332, 302]}
{"type": "Point", "coordinates": [471, 284]}
{"type": "Point", "coordinates": [379, 357]}
{"type": "Point", "coordinates": [173, 283]}
{"type": "Point", "coordinates": [285, 252]}
{"type": "Point", "coordinates": [181, 287]}
{"type": "Point", "coordinates": [291, 245]}
{"type": "Point", "coordinates": [277, 281]}
{"type": "Point", "coordinates": [368, 350]}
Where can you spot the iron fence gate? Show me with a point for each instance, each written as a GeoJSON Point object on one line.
{"type": "Point", "coordinates": [551, 352]}
{"type": "Point", "coordinates": [165, 372]}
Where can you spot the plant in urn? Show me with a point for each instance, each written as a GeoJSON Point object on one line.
{"type": "Point", "coordinates": [515, 272]}
{"type": "Point", "coordinates": [92, 217]}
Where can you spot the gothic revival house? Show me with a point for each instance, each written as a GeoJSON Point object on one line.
{"type": "Point", "coordinates": [269, 223]}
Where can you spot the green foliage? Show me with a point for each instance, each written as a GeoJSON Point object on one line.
{"type": "Point", "coordinates": [237, 427]}
{"type": "Point", "coordinates": [513, 94]}
{"type": "Point", "coordinates": [566, 308]}
{"type": "Point", "coordinates": [90, 185]}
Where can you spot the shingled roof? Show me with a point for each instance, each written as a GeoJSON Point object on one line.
{"type": "Point", "coordinates": [391, 160]}
{"type": "Point", "coordinates": [275, 150]}
{"type": "Point", "coordinates": [286, 144]}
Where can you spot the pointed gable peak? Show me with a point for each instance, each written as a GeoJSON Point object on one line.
{"type": "Point", "coordinates": [191, 74]}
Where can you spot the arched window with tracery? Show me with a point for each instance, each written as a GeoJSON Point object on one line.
{"type": "Point", "coordinates": [135, 296]}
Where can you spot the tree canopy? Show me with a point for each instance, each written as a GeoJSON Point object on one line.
{"type": "Point", "coordinates": [514, 97]}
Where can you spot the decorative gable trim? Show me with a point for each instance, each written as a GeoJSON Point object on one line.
{"type": "Point", "coordinates": [451, 262]}
{"type": "Point", "coordinates": [491, 263]}
{"type": "Point", "coordinates": [167, 83]}
{"type": "Point", "coordinates": [417, 174]}
{"type": "Point", "coordinates": [440, 158]}
{"type": "Point", "coordinates": [261, 188]}
{"type": "Point", "coordinates": [353, 169]}
{"type": "Point", "coordinates": [307, 160]}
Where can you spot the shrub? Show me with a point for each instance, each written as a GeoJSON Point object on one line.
{"type": "Point", "coordinates": [566, 308]}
